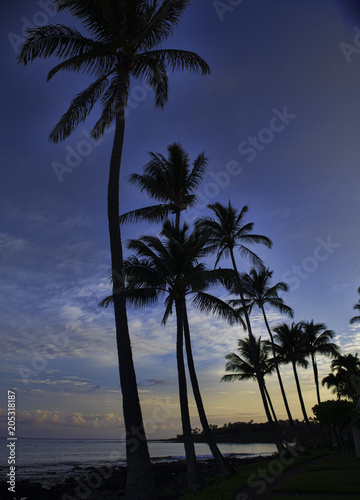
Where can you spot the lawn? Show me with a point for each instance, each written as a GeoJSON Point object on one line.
{"type": "Point", "coordinates": [219, 488]}
{"type": "Point", "coordinates": [332, 475]}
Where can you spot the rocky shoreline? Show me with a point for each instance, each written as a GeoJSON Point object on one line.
{"type": "Point", "coordinates": [109, 483]}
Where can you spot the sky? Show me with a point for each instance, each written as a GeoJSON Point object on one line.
{"type": "Point", "coordinates": [278, 118]}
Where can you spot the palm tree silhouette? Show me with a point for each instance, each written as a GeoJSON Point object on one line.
{"type": "Point", "coordinates": [227, 231]}
{"type": "Point", "coordinates": [289, 348]}
{"type": "Point", "coordinates": [123, 44]}
{"type": "Point", "coordinates": [170, 181]}
{"type": "Point", "coordinates": [317, 341]}
{"type": "Point", "coordinates": [170, 268]}
{"type": "Point", "coordinates": [258, 291]}
{"type": "Point", "coordinates": [243, 367]}
{"type": "Point", "coordinates": [173, 182]}
{"type": "Point", "coordinates": [345, 376]}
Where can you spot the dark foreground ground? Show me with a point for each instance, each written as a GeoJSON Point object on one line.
{"type": "Point", "coordinates": [108, 484]}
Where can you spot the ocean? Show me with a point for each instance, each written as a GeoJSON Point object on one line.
{"type": "Point", "coordinates": [48, 460]}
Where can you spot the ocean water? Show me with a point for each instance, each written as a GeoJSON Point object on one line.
{"type": "Point", "coordinates": [48, 460]}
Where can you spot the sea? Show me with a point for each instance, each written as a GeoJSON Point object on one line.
{"type": "Point", "coordinates": [48, 460]}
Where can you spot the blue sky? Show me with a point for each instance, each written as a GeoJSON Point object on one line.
{"type": "Point", "coordinates": [279, 120]}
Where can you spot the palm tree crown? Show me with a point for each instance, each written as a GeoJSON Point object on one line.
{"type": "Point", "coordinates": [123, 43]}
{"type": "Point", "coordinates": [258, 291]}
{"type": "Point", "coordinates": [170, 181]}
{"type": "Point", "coordinates": [227, 230]}
{"type": "Point", "coordinates": [345, 376]}
{"type": "Point", "coordinates": [243, 367]}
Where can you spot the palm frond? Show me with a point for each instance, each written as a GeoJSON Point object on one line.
{"type": "Point", "coordinates": [54, 40]}
{"type": "Point", "coordinates": [78, 111]}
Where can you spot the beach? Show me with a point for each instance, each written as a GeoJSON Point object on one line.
{"type": "Point", "coordinates": [108, 483]}
{"type": "Point", "coordinates": [96, 469]}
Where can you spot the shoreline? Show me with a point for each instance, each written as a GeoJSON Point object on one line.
{"type": "Point", "coordinates": [95, 483]}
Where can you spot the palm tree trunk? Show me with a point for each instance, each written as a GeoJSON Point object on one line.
{"type": "Point", "coordinates": [303, 409]}
{"type": "Point", "coordinates": [275, 430]}
{"type": "Point", "coordinates": [316, 378]}
{"type": "Point", "coordinates": [282, 389]}
{"type": "Point", "coordinates": [193, 472]}
{"type": "Point", "coordinates": [140, 482]}
{"type": "Point", "coordinates": [225, 469]}
{"type": "Point", "coordinates": [270, 403]}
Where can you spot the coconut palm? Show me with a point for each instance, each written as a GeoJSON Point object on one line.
{"type": "Point", "coordinates": [289, 348]}
{"type": "Point", "coordinates": [171, 181]}
{"type": "Point", "coordinates": [123, 43]}
{"type": "Point", "coordinates": [317, 341]}
{"type": "Point", "coordinates": [170, 268]}
{"type": "Point", "coordinates": [345, 376]}
{"type": "Point", "coordinates": [242, 367]}
{"type": "Point", "coordinates": [259, 292]}
{"type": "Point", "coordinates": [226, 231]}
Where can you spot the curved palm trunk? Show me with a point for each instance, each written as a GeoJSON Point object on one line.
{"type": "Point", "coordinates": [274, 429]}
{"type": "Point", "coordinates": [303, 405]}
{"type": "Point", "coordinates": [139, 483]}
{"type": "Point", "coordinates": [193, 472]}
{"type": "Point", "coordinates": [225, 469]}
{"type": "Point", "coordinates": [270, 403]}
{"type": "Point", "coordinates": [316, 378]}
{"type": "Point", "coordinates": [282, 389]}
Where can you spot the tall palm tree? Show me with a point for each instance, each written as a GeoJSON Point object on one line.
{"type": "Point", "coordinates": [345, 376]}
{"type": "Point", "coordinates": [243, 368]}
{"type": "Point", "coordinates": [123, 43]}
{"type": "Point", "coordinates": [171, 181]}
{"type": "Point", "coordinates": [290, 349]}
{"type": "Point", "coordinates": [259, 292]}
{"type": "Point", "coordinates": [226, 231]}
{"type": "Point", "coordinates": [317, 341]}
{"type": "Point", "coordinates": [170, 268]}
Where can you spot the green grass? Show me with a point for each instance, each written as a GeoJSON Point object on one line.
{"type": "Point", "coordinates": [333, 475]}
{"type": "Point", "coordinates": [220, 488]}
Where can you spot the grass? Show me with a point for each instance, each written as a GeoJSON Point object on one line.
{"type": "Point", "coordinates": [219, 488]}
{"type": "Point", "coordinates": [334, 475]}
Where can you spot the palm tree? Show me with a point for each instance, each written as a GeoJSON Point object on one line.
{"type": "Point", "coordinates": [290, 349]}
{"type": "Point", "coordinates": [170, 181]}
{"type": "Point", "coordinates": [317, 341]}
{"type": "Point", "coordinates": [170, 268]}
{"type": "Point", "coordinates": [345, 376]}
{"type": "Point", "coordinates": [259, 292]}
{"type": "Point", "coordinates": [123, 44]}
{"type": "Point", "coordinates": [243, 368]}
{"type": "Point", "coordinates": [227, 231]}
{"type": "Point", "coordinates": [356, 319]}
